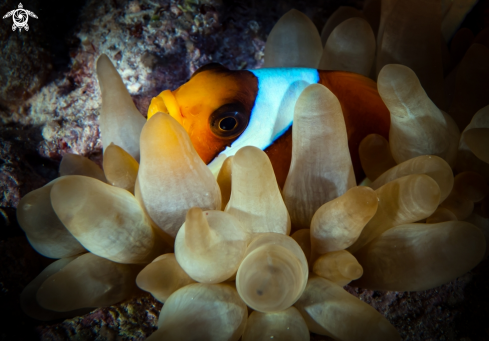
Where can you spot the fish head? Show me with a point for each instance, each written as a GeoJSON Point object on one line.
{"type": "Point", "coordinates": [214, 107]}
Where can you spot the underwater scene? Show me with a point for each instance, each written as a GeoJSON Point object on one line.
{"type": "Point", "coordinates": [244, 170]}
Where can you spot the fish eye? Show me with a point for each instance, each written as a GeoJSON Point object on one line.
{"type": "Point", "coordinates": [229, 121]}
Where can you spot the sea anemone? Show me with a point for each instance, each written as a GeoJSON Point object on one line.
{"type": "Point", "coordinates": [213, 249]}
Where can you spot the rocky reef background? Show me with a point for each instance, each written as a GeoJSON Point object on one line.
{"type": "Point", "coordinates": [49, 106]}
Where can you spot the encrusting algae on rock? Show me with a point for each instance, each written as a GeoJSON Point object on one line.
{"type": "Point", "coordinates": [158, 218]}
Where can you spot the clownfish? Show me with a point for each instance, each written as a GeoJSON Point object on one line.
{"type": "Point", "coordinates": [223, 110]}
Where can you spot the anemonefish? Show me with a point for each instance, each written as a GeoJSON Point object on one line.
{"type": "Point", "coordinates": [223, 110]}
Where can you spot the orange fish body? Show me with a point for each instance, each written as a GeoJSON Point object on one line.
{"type": "Point", "coordinates": [223, 110]}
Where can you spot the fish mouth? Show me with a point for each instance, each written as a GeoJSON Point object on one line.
{"type": "Point", "coordinates": [172, 107]}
